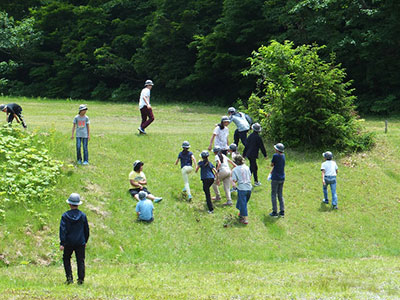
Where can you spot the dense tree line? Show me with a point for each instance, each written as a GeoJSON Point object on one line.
{"type": "Point", "coordinates": [192, 49]}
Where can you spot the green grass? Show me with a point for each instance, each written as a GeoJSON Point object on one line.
{"type": "Point", "coordinates": [313, 253]}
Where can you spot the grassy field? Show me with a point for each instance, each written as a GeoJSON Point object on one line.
{"type": "Point", "coordinates": [314, 253]}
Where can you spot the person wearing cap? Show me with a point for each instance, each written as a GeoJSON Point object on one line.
{"type": "Point", "coordinates": [329, 170]}
{"type": "Point", "coordinates": [74, 235]}
{"type": "Point", "coordinates": [241, 176]}
{"type": "Point", "coordinates": [187, 160]}
{"type": "Point", "coordinates": [81, 123]}
{"type": "Point", "coordinates": [145, 108]}
{"type": "Point", "coordinates": [220, 136]}
{"type": "Point", "coordinates": [241, 123]}
{"type": "Point", "coordinates": [224, 175]}
{"type": "Point", "coordinates": [254, 143]}
{"type": "Point", "coordinates": [233, 150]}
{"type": "Point", "coordinates": [138, 182]}
{"type": "Point", "coordinates": [208, 176]}
{"type": "Point", "coordinates": [277, 176]}
{"type": "Point", "coordinates": [13, 110]}
{"type": "Point", "coordinates": [144, 208]}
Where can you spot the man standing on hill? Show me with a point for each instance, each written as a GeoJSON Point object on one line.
{"type": "Point", "coordinates": [13, 110]}
{"type": "Point", "coordinates": [145, 108]}
{"type": "Point", "coordinates": [241, 123]}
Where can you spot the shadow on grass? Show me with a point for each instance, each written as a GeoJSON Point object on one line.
{"type": "Point", "coordinates": [324, 207]}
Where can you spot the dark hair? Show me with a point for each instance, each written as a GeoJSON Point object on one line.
{"type": "Point", "coordinates": [185, 150]}
{"type": "Point", "coordinates": [221, 125]}
{"type": "Point", "coordinates": [205, 160]}
{"type": "Point", "coordinates": [137, 167]}
{"type": "Point", "coordinates": [221, 157]}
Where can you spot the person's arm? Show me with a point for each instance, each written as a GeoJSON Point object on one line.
{"type": "Point", "coordinates": [88, 131]}
{"type": "Point", "coordinates": [323, 176]}
{"type": "Point", "coordinates": [231, 162]}
{"type": "Point", "coordinates": [62, 233]}
{"type": "Point", "coordinates": [177, 160]}
{"type": "Point", "coordinates": [261, 144]}
{"type": "Point", "coordinates": [214, 170]}
{"type": "Point", "coordinates": [137, 209]}
{"type": "Point", "coordinates": [86, 230]}
{"type": "Point", "coordinates": [211, 141]}
{"type": "Point", "coordinates": [73, 131]}
{"type": "Point", "coordinates": [193, 160]}
{"type": "Point", "coordinates": [197, 168]}
{"type": "Point", "coordinates": [135, 184]}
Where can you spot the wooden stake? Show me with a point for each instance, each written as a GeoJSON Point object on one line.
{"type": "Point", "coordinates": [386, 126]}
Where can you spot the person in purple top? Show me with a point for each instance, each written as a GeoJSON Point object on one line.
{"type": "Point", "coordinates": [186, 157]}
{"type": "Point", "coordinates": [277, 176]}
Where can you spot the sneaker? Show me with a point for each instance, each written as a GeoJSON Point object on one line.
{"type": "Point", "coordinates": [158, 199]}
{"type": "Point", "coordinates": [210, 211]}
{"type": "Point", "coordinates": [85, 163]}
{"type": "Point", "coordinates": [80, 281]}
{"type": "Point", "coordinates": [190, 197]}
{"type": "Point", "coordinates": [334, 207]}
{"type": "Point", "coordinates": [273, 214]}
{"type": "Point", "coordinates": [184, 190]}
{"type": "Point", "coordinates": [216, 198]}
{"type": "Point", "coordinates": [326, 201]}
{"type": "Point", "coordinates": [79, 162]}
{"type": "Point", "coordinates": [257, 183]}
{"type": "Point", "coordinates": [244, 221]}
{"type": "Point", "coordinates": [24, 125]}
{"type": "Point", "coordinates": [282, 214]}
{"type": "Point", "coordinates": [69, 281]}
{"type": "Point", "coordinates": [228, 203]}
{"type": "Point", "coordinates": [141, 130]}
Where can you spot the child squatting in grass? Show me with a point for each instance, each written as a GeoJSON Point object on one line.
{"type": "Point", "coordinates": [137, 180]}
{"type": "Point", "coordinates": [208, 174]}
{"type": "Point", "coordinates": [329, 170]}
{"type": "Point", "coordinates": [81, 123]}
{"type": "Point", "coordinates": [187, 158]}
{"type": "Point", "coordinates": [74, 235]}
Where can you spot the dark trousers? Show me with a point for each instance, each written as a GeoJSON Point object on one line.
{"type": "Point", "coordinates": [147, 116]}
{"type": "Point", "coordinates": [242, 135]}
{"type": "Point", "coordinates": [253, 168]}
{"type": "Point", "coordinates": [19, 116]}
{"type": "Point", "coordinates": [79, 142]}
{"type": "Point", "coordinates": [207, 183]}
{"type": "Point", "coordinates": [277, 188]}
{"type": "Point", "coordinates": [80, 261]}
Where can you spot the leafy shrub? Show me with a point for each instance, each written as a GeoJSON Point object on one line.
{"type": "Point", "coordinates": [27, 173]}
{"type": "Point", "coordinates": [303, 100]}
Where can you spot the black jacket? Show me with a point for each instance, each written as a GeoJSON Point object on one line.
{"type": "Point", "coordinates": [254, 143]}
{"type": "Point", "coordinates": [74, 228]}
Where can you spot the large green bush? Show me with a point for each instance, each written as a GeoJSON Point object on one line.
{"type": "Point", "coordinates": [27, 172]}
{"type": "Point", "coordinates": [303, 100]}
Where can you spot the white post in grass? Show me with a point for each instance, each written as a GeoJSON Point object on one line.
{"type": "Point", "coordinates": [386, 125]}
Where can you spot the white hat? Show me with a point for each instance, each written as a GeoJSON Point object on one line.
{"type": "Point", "coordinates": [148, 82]}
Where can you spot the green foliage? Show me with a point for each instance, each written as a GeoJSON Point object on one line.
{"type": "Point", "coordinates": [302, 99]}
{"type": "Point", "coordinates": [28, 174]}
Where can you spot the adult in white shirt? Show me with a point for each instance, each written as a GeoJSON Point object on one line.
{"type": "Point", "coordinates": [145, 108]}
{"type": "Point", "coordinates": [329, 170]}
{"type": "Point", "coordinates": [220, 136]}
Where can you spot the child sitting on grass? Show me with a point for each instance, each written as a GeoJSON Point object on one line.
{"type": "Point", "coordinates": [144, 208]}
{"type": "Point", "coordinates": [186, 157]}
{"type": "Point", "coordinates": [137, 181]}
{"type": "Point", "coordinates": [207, 174]}
{"type": "Point", "coordinates": [74, 235]}
{"type": "Point", "coordinates": [81, 123]}
{"type": "Point", "coordinates": [329, 170]}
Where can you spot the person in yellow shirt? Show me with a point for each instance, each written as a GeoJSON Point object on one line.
{"type": "Point", "coordinates": [138, 182]}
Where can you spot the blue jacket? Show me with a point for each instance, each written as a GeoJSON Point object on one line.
{"type": "Point", "coordinates": [74, 228]}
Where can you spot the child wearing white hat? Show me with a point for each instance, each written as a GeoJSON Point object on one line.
{"type": "Point", "coordinates": [81, 123]}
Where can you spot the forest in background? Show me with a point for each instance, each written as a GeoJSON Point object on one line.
{"type": "Point", "coordinates": [193, 50]}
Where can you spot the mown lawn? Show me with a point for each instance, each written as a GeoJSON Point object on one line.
{"type": "Point", "coordinates": [314, 253]}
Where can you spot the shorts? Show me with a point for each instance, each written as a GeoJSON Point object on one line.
{"type": "Point", "coordinates": [134, 192]}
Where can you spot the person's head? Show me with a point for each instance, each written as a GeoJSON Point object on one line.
{"type": "Point", "coordinates": [231, 110]}
{"type": "Point", "coordinates": [204, 155]}
{"type": "Point", "coordinates": [224, 122]}
{"type": "Point", "coordinates": [82, 109]}
{"type": "Point", "coordinates": [138, 166]}
{"type": "Point", "coordinates": [327, 155]}
{"type": "Point", "coordinates": [142, 195]}
{"type": "Point", "coordinates": [185, 146]}
{"type": "Point", "coordinates": [279, 148]}
{"type": "Point", "coordinates": [74, 200]}
{"type": "Point", "coordinates": [233, 147]}
{"type": "Point", "coordinates": [216, 150]}
{"type": "Point", "coordinates": [256, 127]}
{"type": "Point", "coordinates": [149, 84]}
{"type": "Point", "coordinates": [3, 107]}
{"type": "Point", "coordinates": [238, 160]}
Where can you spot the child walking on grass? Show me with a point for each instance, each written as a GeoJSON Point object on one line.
{"type": "Point", "coordinates": [241, 176]}
{"type": "Point", "coordinates": [207, 174]}
{"type": "Point", "coordinates": [329, 170]}
{"type": "Point", "coordinates": [277, 179]}
{"type": "Point", "coordinates": [224, 174]}
{"type": "Point", "coordinates": [186, 157]}
{"type": "Point", "coordinates": [81, 123]}
{"type": "Point", "coordinates": [144, 208]}
{"type": "Point", "coordinates": [74, 235]}
{"type": "Point", "coordinates": [138, 182]}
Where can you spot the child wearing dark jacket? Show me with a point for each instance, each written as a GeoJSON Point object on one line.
{"type": "Point", "coordinates": [254, 143]}
{"type": "Point", "coordinates": [74, 235]}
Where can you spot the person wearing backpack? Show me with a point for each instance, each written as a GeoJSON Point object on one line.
{"type": "Point", "coordinates": [241, 123]}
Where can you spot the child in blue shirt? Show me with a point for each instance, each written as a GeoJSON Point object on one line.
{"type": "Point", "coordinates": [144, 208]}
{"type": "Point", "coordinates": [277, 179]}
{"type": "Point", "coordinates": [186, 157]}
{"type": "Point", "coordinates": [329, 170]}
{"type": "Point", "coordinates": [208, 174]}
